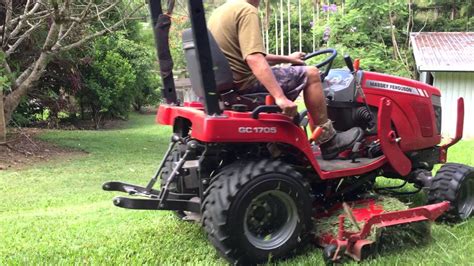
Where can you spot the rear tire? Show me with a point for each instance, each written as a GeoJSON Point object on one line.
{"type": "Point", "coordinates": [254, 212]}
{"type": "Point", "coordinates": [454, 183]}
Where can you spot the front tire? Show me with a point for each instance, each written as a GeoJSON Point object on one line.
{"type": "Point", "coordinates": [454, 183]}
{"type": "Point", "coordinates": [254, 212]}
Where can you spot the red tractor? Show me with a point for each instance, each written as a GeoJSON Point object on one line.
{"type": "Point", "coordinates": [253, 177]}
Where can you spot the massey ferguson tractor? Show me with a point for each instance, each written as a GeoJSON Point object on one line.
{"type": "Point", "coordinates": [253, 177]}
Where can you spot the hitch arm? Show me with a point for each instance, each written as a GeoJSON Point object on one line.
{"type": "Point", "coordinates": [153, 180]}
{"type": "Point", "coordinates": [156, 204]}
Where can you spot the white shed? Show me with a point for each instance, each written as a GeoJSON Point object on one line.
{"type": "Point", "coordinates": [446, 61]}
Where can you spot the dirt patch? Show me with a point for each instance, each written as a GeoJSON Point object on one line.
{"type": "Point", "coordinates": [24, 149]}
{"type": "Point", "coordinates": [81, 125]}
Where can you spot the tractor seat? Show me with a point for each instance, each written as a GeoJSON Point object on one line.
{"type": "Point", "coordinates": [222, 73]}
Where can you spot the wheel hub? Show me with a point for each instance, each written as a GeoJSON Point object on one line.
{"type": "Point", "coordinates": [270, 219]}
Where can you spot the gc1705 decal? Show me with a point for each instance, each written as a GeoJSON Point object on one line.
{"type": "Point", "coordinates": [268, 130]}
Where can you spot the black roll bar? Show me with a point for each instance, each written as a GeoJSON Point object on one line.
{"type": "Point", "coordinates": [203, 52]}
{"type": "Point", "coordinates": [161, 24]}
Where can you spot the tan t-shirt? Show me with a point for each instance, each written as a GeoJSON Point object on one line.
{"type": "Point", "coordinates": [236, 27]}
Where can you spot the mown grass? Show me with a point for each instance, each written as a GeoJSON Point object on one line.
{"type": "Point", "coordinates": [56, 212]}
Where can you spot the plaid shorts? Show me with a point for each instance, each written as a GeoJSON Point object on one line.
{"type": "Point", "coordinates": [292, 80]}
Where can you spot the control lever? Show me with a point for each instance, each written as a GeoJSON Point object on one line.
{"type": "Point", "coordinates": [359, 89]}
{"type": "Point", "coordinates": [355, 152]}
{"type": "Point", "coordinates": [349, 63]}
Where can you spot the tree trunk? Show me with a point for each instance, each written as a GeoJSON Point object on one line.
{"type": "Point", "coordinates": [327, 13]}
{"type": "Point", "coordinates": [262, 29]}
{"type": "Point", "coordinates": [3, 125]}
{"type": "Point", "coordinates": [318, 7]}
{"type": "Point", "coordinates": [276, 34]}
{"type": "Point", "coordinates": [453, 9]}
{"type": "Point", "coordinates": [289, 27]}
{"type": "Point", "coordinates": [23, 84]}
{"type": "Point", "coordinates": [396, 50]}
{"type": "Point", "coordinates": [394, 38]}
{"type": "Point", "coordinates": [267, 24]}
{"type": "Point", "coordinates": [313, 30]}
{"type": "Point", "coordinates": [13, 99]}
{"type": "Point", "coordinates": [282, 30]}
{"type": "Point", "coordinates": [410, 20]}
{"type": "Point", "coordinates": [299, 26]}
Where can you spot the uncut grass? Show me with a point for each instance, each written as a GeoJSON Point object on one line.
{"type": "Point", "coordinates": [56, 212]}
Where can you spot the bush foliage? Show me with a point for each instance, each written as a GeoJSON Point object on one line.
{"type": "Point", "coordinates": [120, 73]}
{"type": "Point", "coordinates": [116, 72]}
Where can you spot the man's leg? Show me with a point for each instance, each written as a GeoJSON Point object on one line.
{"type": "Point", "coordinates": [295, 79]}
{"type": "Point", "coordinates": [316, 103]}
{"type": "Point", "coordinates": [314, 97]}
{"type": "Point", "coordinates": [331, 144]}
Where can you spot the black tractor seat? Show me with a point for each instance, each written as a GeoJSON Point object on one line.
{"type": "Point", "coordinates": [222, 73]}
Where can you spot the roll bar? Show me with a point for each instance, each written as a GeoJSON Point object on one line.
{"type": "Point", "coordinates": [161, 24]}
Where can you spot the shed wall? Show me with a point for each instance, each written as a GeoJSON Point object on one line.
{"type": "Point", "coordinates": [454, 85]}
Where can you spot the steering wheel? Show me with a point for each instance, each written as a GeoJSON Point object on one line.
{"type": "Point", "coordinates": [328, 61]}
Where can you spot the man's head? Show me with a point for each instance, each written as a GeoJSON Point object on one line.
{"type": "Point", "coordinates": [255, 3]}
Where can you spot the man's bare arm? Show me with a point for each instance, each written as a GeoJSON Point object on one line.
{"type": "Point", "coordinates": [294, 58]}
{"type": "Point", "coordinates": [261, 69]}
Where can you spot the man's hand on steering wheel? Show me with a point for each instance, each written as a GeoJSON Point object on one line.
{"type": "Point", "coordinates": [327, 62]}
{"type": "Point", "coordinates": [296, 58]}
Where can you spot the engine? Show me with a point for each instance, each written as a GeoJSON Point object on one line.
{"type": "Point", "coordinates": [343, 108]}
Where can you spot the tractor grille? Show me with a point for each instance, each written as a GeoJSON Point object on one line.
{"type": "Point", "coordinates": [436, 101]}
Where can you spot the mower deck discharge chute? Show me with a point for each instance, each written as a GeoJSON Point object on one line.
{"type": "Point", "coordinates": [255, 180]}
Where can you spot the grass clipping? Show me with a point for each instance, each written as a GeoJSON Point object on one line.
{"type": "Point", "coordinates": [416, 233]}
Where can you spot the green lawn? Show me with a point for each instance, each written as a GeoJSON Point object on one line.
{"type": "Point", "coordinates": [56, 212]}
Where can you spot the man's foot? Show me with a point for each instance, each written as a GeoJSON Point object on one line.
{"type": "Point", "coordinates": [341, 142]}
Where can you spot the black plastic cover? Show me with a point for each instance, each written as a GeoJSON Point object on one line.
{"type": "Point", "coordinates": [339, 86]}
{"type": "Point", "coordinates": [222, 71]}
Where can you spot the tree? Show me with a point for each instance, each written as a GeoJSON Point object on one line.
{"type": "Point", "coordinates": [48, 29]}
{"type": "Point", "coordinates": [3, 83]}
{"type": "Point", "coordinates": [108, 79]}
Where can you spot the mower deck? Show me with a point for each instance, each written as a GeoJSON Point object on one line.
{"type": "Point", "coordinates": [368, 215]}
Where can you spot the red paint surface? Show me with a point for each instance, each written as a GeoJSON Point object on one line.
{"type": "Point", "coordinates": [414, 125]}
{"type": "Point", "coordinates": [417, 131]}
{"type": "Point", "coordinates": [372, 215]}
{"type": "Point", "coordinates": [225, 129]}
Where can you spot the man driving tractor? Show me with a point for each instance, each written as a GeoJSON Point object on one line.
{"type": "Point", "coordinates": [236, 29]}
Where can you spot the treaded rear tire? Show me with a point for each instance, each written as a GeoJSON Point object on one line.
{"type": "Point", "coordinates": [231, 195]}
{"type": "Point", "coordinates": [447, 185]}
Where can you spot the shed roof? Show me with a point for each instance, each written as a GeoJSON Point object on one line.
{"type": "Point", "coordinates": [443, 51]}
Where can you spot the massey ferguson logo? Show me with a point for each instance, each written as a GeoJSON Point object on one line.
{"type": "Point", "coordinates": [267, 130]}
{"type": "Point", "coordinates": [395, 87]}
